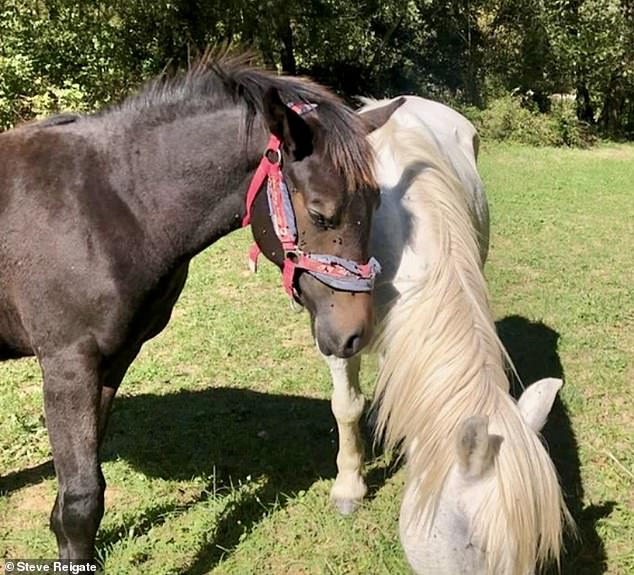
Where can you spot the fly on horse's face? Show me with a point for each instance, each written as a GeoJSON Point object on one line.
{"type": "Point", "coordinates": [333, 216]}
{"type": "Point", "coordinates": [330, 221]}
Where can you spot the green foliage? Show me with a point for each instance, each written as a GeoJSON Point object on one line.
{"type": "Point", "coordinates": [569, 129]}
{"type": "Point", "coordinates": [507, 118]}
{"type": "Point", "coordinates": [594, 42]}
{"type": "Point", "coordinates": [63, 54]}
{"type": "Point", "coordinates": [57, 54]}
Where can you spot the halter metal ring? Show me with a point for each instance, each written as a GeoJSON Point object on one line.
{"type": "Point", "coordinates": [275, 153]}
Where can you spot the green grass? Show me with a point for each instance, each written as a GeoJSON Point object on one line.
{"type": "Point", "coordinates": [221, 446]}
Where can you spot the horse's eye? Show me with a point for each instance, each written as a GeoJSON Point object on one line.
{"type": "Point", "coordinates": [320, 220]}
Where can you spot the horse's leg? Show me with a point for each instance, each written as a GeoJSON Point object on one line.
{"type": "Point", "coordinates": [71, 401]}
{"type": "Point", "coordinates": [105, 405]}
{"type": "Point", "coordinates": [113, 373]}
{"type": "Point", "coordinates": [347, 406]}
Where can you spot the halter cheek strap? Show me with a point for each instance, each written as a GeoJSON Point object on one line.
{"type": "Point", "coordinates": [261, 173]}
{"type": "Point", "coordinates": [338, 273]}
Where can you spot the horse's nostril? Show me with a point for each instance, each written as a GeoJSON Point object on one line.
{"type": "Point", "coordinates": [352, 345]}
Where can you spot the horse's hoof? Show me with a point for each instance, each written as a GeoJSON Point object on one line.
{"type": "Point", "coordinates": [346, 506]}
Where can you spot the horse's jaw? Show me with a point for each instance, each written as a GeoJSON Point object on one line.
{"type": "Point", "coordinates": [448, 546]}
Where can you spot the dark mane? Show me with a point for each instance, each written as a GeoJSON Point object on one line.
{"type": "Point", "coordinates": [216, 81]}
{"type": "Point", "coordinates": [60, 119]}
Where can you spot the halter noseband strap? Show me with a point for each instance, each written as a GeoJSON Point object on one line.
{"type": "Point", "coordinates": [339, 273]}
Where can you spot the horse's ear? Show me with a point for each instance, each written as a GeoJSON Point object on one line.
{"type": "Point", "coordinates": [294, 133]}
{"type": "Point", "coordinates": [476, 448]}
{"type": "Point", "coordinates": [537, 401]}
{"type": "Point", "coordinates": [375, 118]}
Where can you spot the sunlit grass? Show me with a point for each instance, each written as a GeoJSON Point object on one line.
{"type": "Point", "coordinates": [221, 447]}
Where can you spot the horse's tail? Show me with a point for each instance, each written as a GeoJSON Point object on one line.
{"type": "Point", "coordinates": [442, 363]}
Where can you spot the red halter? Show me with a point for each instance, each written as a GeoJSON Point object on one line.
{"type": "Point", "coordinates": [335, 272]}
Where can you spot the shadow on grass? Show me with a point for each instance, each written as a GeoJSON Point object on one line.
{"type": "Point", "coordinates": [225, 433]}
{"type": "Point", "coordinates": [533, 347]}
{"type": "Point", "coordinates": [236, 433]}
{"type": "Point", "coordinates": [25, 477]}
{"type": "Point", "coordinates": [230, 434]}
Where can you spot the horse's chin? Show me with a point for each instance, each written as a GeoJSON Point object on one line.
{"type": "Point", "coordinates": [333, 343]}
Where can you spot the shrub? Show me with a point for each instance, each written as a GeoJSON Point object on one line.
{"type": "Point", "coordinates": [508, 119]}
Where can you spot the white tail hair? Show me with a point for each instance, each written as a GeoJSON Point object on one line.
{"type": "Point", "coordinates": [443, 362]}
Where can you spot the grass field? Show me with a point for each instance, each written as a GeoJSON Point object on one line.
{"type": "Point", "coordinates": [221, 446]}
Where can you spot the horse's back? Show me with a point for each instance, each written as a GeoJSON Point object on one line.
{"type": "Point", "coordinates": [457, 140]}
{"type": "Point", "coordinates": [449, 128]}
{"type": "Point", "coordinates": [450, 141]}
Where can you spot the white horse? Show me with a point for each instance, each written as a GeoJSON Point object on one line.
{"type": "Point", "coordinates": [449, 545]}
{"type": "Point", "coordinates": [441, 360]}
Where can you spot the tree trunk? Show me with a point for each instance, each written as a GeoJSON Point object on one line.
{"type": "Point", "coordinates": [585, 111]}
{"type": "Point", "coordinates": [289, 65]}
{"type": "Point", "coordinates": [611, 113]}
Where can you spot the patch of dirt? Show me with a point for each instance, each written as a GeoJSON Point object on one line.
{"type": "Point", "coordinates": [112, 496]}
{"type": "Point", "coordinates": [29, 508]}
{"type": "Point", "coordinates": [36, 498]}
{"type": "Point", "coordinates": [40, 498]}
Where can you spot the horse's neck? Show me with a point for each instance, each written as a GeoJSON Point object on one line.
{"type": "Point", "coordinates": [189, 179]}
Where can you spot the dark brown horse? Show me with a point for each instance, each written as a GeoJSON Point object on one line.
{"type": "Point", "coordinates": [101, 214]}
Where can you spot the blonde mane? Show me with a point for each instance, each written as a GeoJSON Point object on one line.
{"type": "Point", "coordinates": [443, 362]}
